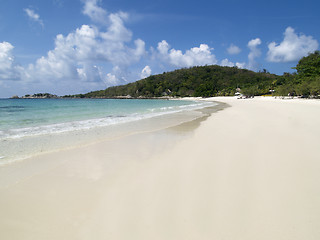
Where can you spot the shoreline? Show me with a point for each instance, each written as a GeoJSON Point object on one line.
{"type": "Point", "coordinates": [42, 143]}
{"type": "Point", "coordinates": [250, 171]}
{"type": "Point", "coordinates": [166, 130]}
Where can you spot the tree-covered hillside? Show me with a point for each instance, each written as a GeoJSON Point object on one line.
{"type": "Point", "coordinates": [306, 82]}
{"type": "Point", "coordinates": [208, 81]}
{"type": "Point", "coordinates": [203, 81]}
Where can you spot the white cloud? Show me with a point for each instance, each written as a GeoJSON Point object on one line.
{"type": "Point", "coordinates": [81, 59]}
{"type": "Point", "coordinates": [226, 63]}
{"type": "Point", "coordinates": [111, 78]}
{"type": "Point", "coordinates": [116, 30]}
{"type": "Point", "coordinates": [254, 53]}
{"type": "Point", "coordinates": [92, 10]}
{"type": "Point", "coordinates": [76, 55]}
{"type": "Point", "coordinates": [252, 44]}
{"type": "Point", "coordinates": [196, 56]}
{"type": "Point", "coordinates": [241, 65]}
{"type": "Point", "coordinates": [233, 49]}
{"type": "Point", "coordinates": [9, 70]}
{"type": "Point", "coordinates": [163, 47]}
{"type": "Point", "coordinates": [33, 16]}
{"type": "Point", "coordinates": [292, 48]}
{"type": "Point", "coordinates": [90, 73]}
{"type": "Point", "coordinates": [146, 72]}
{"type": "Point", "coordinates": [6, 57]}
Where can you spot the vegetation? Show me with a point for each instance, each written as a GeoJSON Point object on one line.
{"type": "Point", "coordinates": [305, 82]}
{"type": "Point", "coordinates": [205, 81]}
{"type": "Point", "coordinates": [209, 81]}
{"type": "Point", "coordinates": [40, 95]}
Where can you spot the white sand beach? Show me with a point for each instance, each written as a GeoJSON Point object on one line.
{"type": "Point", "coordinates": [247, 172]}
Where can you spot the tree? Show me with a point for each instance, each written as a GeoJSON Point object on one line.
{"type": "Point", "coordinates": [309, 66]}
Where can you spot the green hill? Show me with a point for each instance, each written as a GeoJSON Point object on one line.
{"type": "Point", "coordinates": [203, 81]}
{"type": "Point", "coordinates": [209, 81]}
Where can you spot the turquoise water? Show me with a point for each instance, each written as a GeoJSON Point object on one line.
{"type": "Point", "coordinates": [30, 117]}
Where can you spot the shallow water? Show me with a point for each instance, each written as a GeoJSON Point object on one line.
{"type": "Point", "coordinates": [28, 117]}
{"type": "Point", "coordinates": [35, 126]}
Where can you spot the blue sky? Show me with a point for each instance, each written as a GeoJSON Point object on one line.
{"type": "Point", "coordinates": [76, 46]}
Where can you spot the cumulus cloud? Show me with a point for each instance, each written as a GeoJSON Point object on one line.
{"type": "Point", "coordinates": [240, 65]}
{"type": "Point", "coordinates": [163, 47]}
{"type": "Point", "coordinates": [33, 16]}
{"type": "Point", "coordinates": [90, 72]}
{"type": "Point", "coordinates": [116, 30]}
{"type": "Point", "coordinates": [76, 55]}
{"type": "Point", "coordinates": [292, 48]}
{"type": "Point", "coordinates": [82, 58]}
{"type": "Point", "coordinates": [196, 56]}
{"type": "Point", "coordinates": [93, 11]}
{"type": "Point", "coordinates": [254, 53]}
{"type": "Point", "coordinates": [226, 63]}
{"type": "Point", "coordinates": [111, 79]}
{"type": "Point", "coordinates": [146, 72]}
{"type": "Point", "coordinates": [233, 49]}
{"type": "Point", "coordinates": [9, 70]}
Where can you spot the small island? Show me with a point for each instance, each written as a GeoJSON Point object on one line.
{"type": "Point", "coordinates": [36, 96]}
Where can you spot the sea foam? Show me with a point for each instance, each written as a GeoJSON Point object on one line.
{"type": "Point", "coordinates": [123, 116]}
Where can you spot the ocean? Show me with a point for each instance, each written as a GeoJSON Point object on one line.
{"type": "Point", "coordinates": [28, 126]}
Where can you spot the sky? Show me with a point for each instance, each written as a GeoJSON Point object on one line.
{"type": "Point", "coordinates": [76, 46]}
